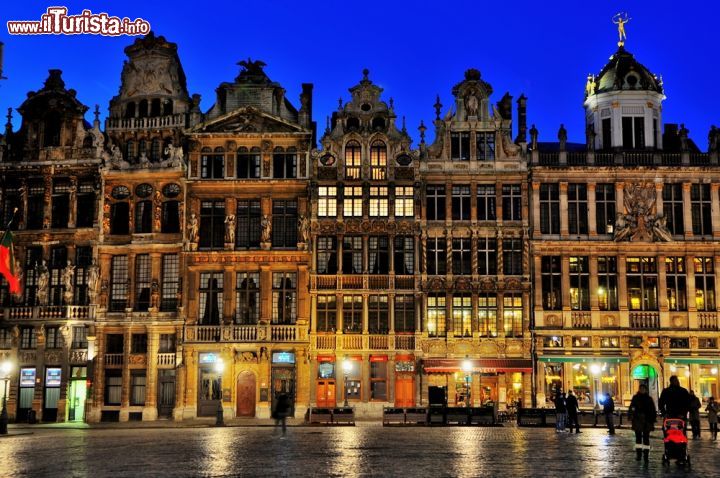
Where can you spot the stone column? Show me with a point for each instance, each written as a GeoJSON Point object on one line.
{"type": "Point", "coordinates": [473, 198]}
{"type": "Point", "coordinates": [265, 293]}
{"type": "Point", "coordinates": [662, 292]}
{"type": "Point", "coordinates": [448, 203]}
{"type": "Point", "coordinates": [687, 209]}
{"type": "Point", "coordinates": [564, 230]}
{"type": "Point", "coordinates": [536, 208]}
{"type": "Point", "coordinates": [715, 208]}
{"type": "Point", "coordinates": [391, 314]}
{"type": "Point", "coordinates": [150, 409]}
{"type": "Point", "coordinates": [689, 267]}
{"type": "Point", "coordinates": [716, 264]}
{"type": "Point", "coordinates": [303, 304]}
{"type": "Point", "coordinates": [622, 290]}
{"type": "Point", "coordinates": [498, 203]}
{"type": "Point", "coordinates": [126, 383]}
{"type": "Point", "coordinates": [565, 281]}
{"type": "Point", "coordinates": [592, 213]}
{"type": "Point", "coordinates": [72, 203]}
{"type": "Point", "coordinates": [659, 206]}
{"type": "Point", "coordinates": [538, 285]}
{"type": "Point", "coordinates": [228, 312]}
{"type": "Point", "coordinates": [594, 286]}
{"type": "Point", "coordinates": [619, 198]}
{"type": "Point", "coordinates": [365, 313]}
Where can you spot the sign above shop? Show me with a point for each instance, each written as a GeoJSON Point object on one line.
{"type": "Point", "coordinates": [53, 377]}
{"type": "Point", "coordinates": [208, 357]}
{"type": "Point", "coordinates": [27, 377]}
{"type": "Point", "coordinates": [283, 357]}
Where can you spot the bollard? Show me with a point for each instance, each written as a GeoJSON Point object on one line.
{"type": "Point", "coordinates": [219, 421]}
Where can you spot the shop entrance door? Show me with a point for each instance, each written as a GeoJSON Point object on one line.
{"type": "Point", "coordinates": [325, 393]}
{"type": "Point", "coordinates": [646, 375]}
{"type": "Point", "coordinates": [488, 389]}
{"type": "Point", "coordinates": [166, 393]}
{"type": "Point", "coordinates": [283, 381]}
{"type": "Point", "coordinates": [404, 391]}
{"type": "Point", "coordinates": [246, 394]}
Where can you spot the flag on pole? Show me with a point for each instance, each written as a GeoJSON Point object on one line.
{"type": "Point", "coordinates": [7, 262]}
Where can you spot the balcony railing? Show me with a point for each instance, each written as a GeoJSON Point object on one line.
{"type": "Point", "coordinates": [363, 281]}
{"type": "Point", "coordinates": [624, 158]}
{"type": "Point", "coordinates": [166, 359]}
{"type": "Point", "coordinates": [45, 312]}
{"type": "Point", "coordinates": [644, 320]}
{"type": "Point", "coordinates": [169, 121]}
{"type": "Point", "coordinates": [365, 342]}
{"type": "Point", "coordinates": [581, 320]}
{"type": "Point", "coordinates": [245, 333]}
{"type": "Point", "coordinates": [707, 320]}
{"type": "Point", "coordinates": [113, 360]}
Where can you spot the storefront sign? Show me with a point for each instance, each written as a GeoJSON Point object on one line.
{"type": "Point", "coordinates": [283, 357]}
{"type": "Point", "coordinates": [53, 377]}
{"type": "Point", "coordinates": [404, 366]}
{"type": "Point", "coordinates": [209, 357]}
{"type": "Point", "coordinates": [27, 377]}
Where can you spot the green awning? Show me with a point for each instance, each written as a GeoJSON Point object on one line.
{"type": "Point", "coordinates": [689, 360]}
{"type": "Point", "coordinates": [582, 359]}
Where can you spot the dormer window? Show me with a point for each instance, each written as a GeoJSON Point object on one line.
{"type": "Point", "coordinates": [460, 146]}
{"type": "Point", "coordinates": [365, 107]}
{"type": "Point", "coordinates": [352, 124]}
{"type": "Point", "coordinates": [53, 124]}
{"type": "Point", "coordinates": [633, 131]}
{"type": "Point", "coordinates": [352, 160]}
{"type": "Point", "coordinates": [155, 107]}
{"type": "Point", "coordinates": [143, 109]}
{"type": "Point", "coordinates": [130, 110]}
{"type": "Point", "coordinates": [168, 107]}
{"type": "Point", "coordinates": [632, 81]}
{"type": "Point", "coordinates": [378, 160]}
{"type": "Point", "coordinates": [378, 124]}
{"type": "Point", "coordinates": [485, 146]}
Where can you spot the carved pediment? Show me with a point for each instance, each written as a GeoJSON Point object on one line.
{"type": "Point", "coordinates": [247, 120]}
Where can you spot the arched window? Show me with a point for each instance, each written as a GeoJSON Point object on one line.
{"type": "Point", "coordinates": [155, 150]}
{"type": "Point", "coordinates": [170, 217]}
{"type": "Point", "coordinates": [143, 109]}
{"type": "Point", "coordinates": [142, 147]}
{"type": "Point", "coordinates": [352, 160]}
{"type": "Point", "coordinates": [130, 110]}
{"type": "Point", "coordinates": [168, 107]}
{"type": "Point", "coordinates": [53, 124]}
{"type": "Point", "coordinates": [130, 150]}
{"type": "Point", "coordinates": [120, 218]}
{"type": "Point", "coordinates": [378, 160]}
{"type": "Point", "coordinates": [155, 107]}
{"type": "Point", "coordinates": [143, 217]}
{"type": "Point", "coordinates": [88, 141]}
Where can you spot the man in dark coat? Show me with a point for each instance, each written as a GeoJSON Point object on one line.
{"type": "Point", "coordinates": [560, 412]}
{"type": "Point", "coordinates": [674, 400]}
{"type": "Point", "coordinates": [608, 410]}
{"type": "Point", "coordinates": [643, 416]}
{"type": "Point", "coordinates": [694, 408]}
{"type": "Point", "coordinates": [282, 407]}
{"type": "Point", "coordinates": [572, 409]}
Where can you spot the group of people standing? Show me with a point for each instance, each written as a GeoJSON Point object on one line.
{"type": "Point", "coordinates": [675, 402]}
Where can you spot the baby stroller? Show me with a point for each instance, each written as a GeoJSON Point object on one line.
{"type": "Point", "coordinates": [675, 442]}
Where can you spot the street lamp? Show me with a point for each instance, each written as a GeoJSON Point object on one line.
{"type": "Point", "coordinates": [347, 367]}
{"type": "Point", "coordinates": [5, 368]}
{"type": "Point", "coordinates": [467, 367]}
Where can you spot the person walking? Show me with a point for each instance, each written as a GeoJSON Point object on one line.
{"type": "Point", "coordinates": [712, 415]}
{"type": "Point", "coordinates": [674, 401]}
{"type": "Point", "coordinates": [643, 415]}
{"type": "Point", "coordinates": [694, 408]}
{"type": "Point", "coordinates": [282, 406]}
{"type": "Point", "coordinates": [560, 411]}
{"type": "Point", "coordinates": [608, 410]}
{"type": "Point", "coordinates": [571, 403]}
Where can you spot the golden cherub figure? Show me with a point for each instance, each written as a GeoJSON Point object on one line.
{"type": "Point", "coordinates": [620, 19]}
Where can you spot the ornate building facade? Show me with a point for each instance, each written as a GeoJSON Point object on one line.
{"type": "Point", "coordinates": [180, 262]}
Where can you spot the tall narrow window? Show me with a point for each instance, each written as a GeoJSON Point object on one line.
{"type": "Point", "coordinates": [284, 163]}
{"type": "Point", "coordinates": [378, 160]}
{"type": "Point", "coordinates": [487, 315]}
{"type": "Point", "coordinates": [352, 313]}
{"type": "Point", "coordinates": [487, 256]}
{"type": "Point", "coordinates": [579, 283]}
{"type": "Point", "coordinates": [120, 218]}
{"type": "Point", "coordinates": [512, 202]}
{"type": "Point", "coordinates": [170, 282]}
{"type": "Point", "coordinates": [247, 298]}
{"type": "Point", "coordinates": [404, 252]}
{"type": "Point", "coordinates": [60, 210]}
{"type": "Point", "coordinates": [83, 258]}
{"type": "Point", "coordinates": [404, 201]}
{"type": "Point", "coordinates": [462, 315]}
{"type": "Point", "coordinates": [607, 283]}
{"type": "Point", "coordinates": [210, 309]}
{"type": "Point", "coordinates": [143, 217]}
{"type": "Point", "coordinates": [461, 257]}
{"type": "Point", "coordinates": [326, 255]}
{"type": "Point", "coordinates": [10, 201]}
{"type": "Point", "coordinates": [327, 201]}
{"type": "Point", "coordinates": [549, 209]}
{"type": "Point", "coordinates": [212, 224]}
{"type": "Point", "coordinates": [642, 283]}
{"type": "Point", "coordinates": [485, 146]}
{"type": "Point", "coordinates": [142, 282]}
{"type": "Point", "coordinates": [326, 313]}
{"type": "Point", "coordinates": [248, 163]}
{"type": "Point", "coordinates": [701, 209]}
{"type": "Point", "coordinates": [704, 283]}
{"type": "Point", "coordinates": [435, 202]}
{"type": "Point", "coordinates": [460, 146]}
{"type": "Point", "coordinates": [58, 262]}
{"type": "Point", "coordinates": [35, 206]}
{"type": "Point", "coordinates": [436, 313]}
{"type": "Point", "coordinates": [461, 203]}
{"type": "Point", "coordinates": [605, 208]}
{"type": "Point", "coordinates": [284, 224]}
{"type": "Point", "coordinates": [170, 223]}
{"type": "Point", "coordinates": [248, 224]}
{"type": "Point", "coordinates": [212, 163]}
{"type": "Point", "coordinates": [85, 203]}
{"type": "Point", "coordinates": [378, 249]}
{"type": "Point", "coordinates": [155, 150]}
{"type": "Point", "coordinates": [352, 160]}
{"type": "Point", "coordinates": [404, 314]}
{"type": "Point", "coordinates": [378, 201]}
{"type": "Point", "coordinates": [512, 257]}
{"type": "Point", "coordinates": [378, 314]}
{"type": "Point", "coordinates": [352, 255]}
{"type": "Point", "coordinates": [52, 127]}
{"type": "Point", "coordinates": [676, 283]}
{"type": "Point", "coordinates": [33, 256]}
{"type": "Point", "coordinates": [633, 132]}
{"type": "Point", "coordinates": [606, 133]}
{"type": "Point", "coordinates": [352, 201]}
{"type": "Point", "coordinates": [167, 344]}
{"type": "Point", "coordinates": [436, 256]}
{"type": "Point", "coordinates": [284, 307]}
{"type": "Point", "coordinates": [119, 283]}
{"type": "Point", "coordinates": [137, 384]}
{"type": "Point", "coordinates": [486, 202]}
{"type": "Point", "coordinates": [577, 209]}
{"type": "Point", "coordinates": [551, 272]}
{"type": "Point", "coordinates": [512, 314]}
{"type": "Point", "coordinates": [673, 208]}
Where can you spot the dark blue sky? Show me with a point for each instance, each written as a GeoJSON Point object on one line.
{"type": "Point", "coordinates": [414, 50]}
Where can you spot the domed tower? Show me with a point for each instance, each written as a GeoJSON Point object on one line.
{"type": "Point", "coordinates": [623, 104]}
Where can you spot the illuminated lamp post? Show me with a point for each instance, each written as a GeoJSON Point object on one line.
{"type": "Point", "coordinates": [467, 368]}
{"type": "Point", "coordinates": [6, 368]}
{"type": "Point", "coordinates": [347, 367]}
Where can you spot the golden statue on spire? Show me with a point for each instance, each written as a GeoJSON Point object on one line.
{"type": "Point", "coordinates": [620, 19]}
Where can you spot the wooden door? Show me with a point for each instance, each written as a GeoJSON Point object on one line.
{"type": "Point", "coordinates": [404, 391]}
{"type": "Point", "coordinates": [246, 394]}
{"type": "Point", "coordinates": [325, 393]}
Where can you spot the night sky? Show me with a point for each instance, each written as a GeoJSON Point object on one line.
{"type": "Point", "coordinates": [414, 50]}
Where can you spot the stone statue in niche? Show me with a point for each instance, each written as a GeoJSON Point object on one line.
{"type": "Point", "coordinates": [193, 228]}
{"type": "Point", "coordinates": [303, 229]}
{"type": "Point", "coordinates": [43, 281]}
{"type": "Point", "coordinates": [265, 229]}
{"type": "Point", "coordinates": [471, 104]}
{"type": "Point", "coordinates": [93, 275]}
{"type": "Point", "coordinates": [230, 229]}
{"type": "Point", "coordinates": [68, 276]}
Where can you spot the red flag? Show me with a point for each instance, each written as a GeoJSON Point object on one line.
{"type": "Point", "coordinates": [7, 262]}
